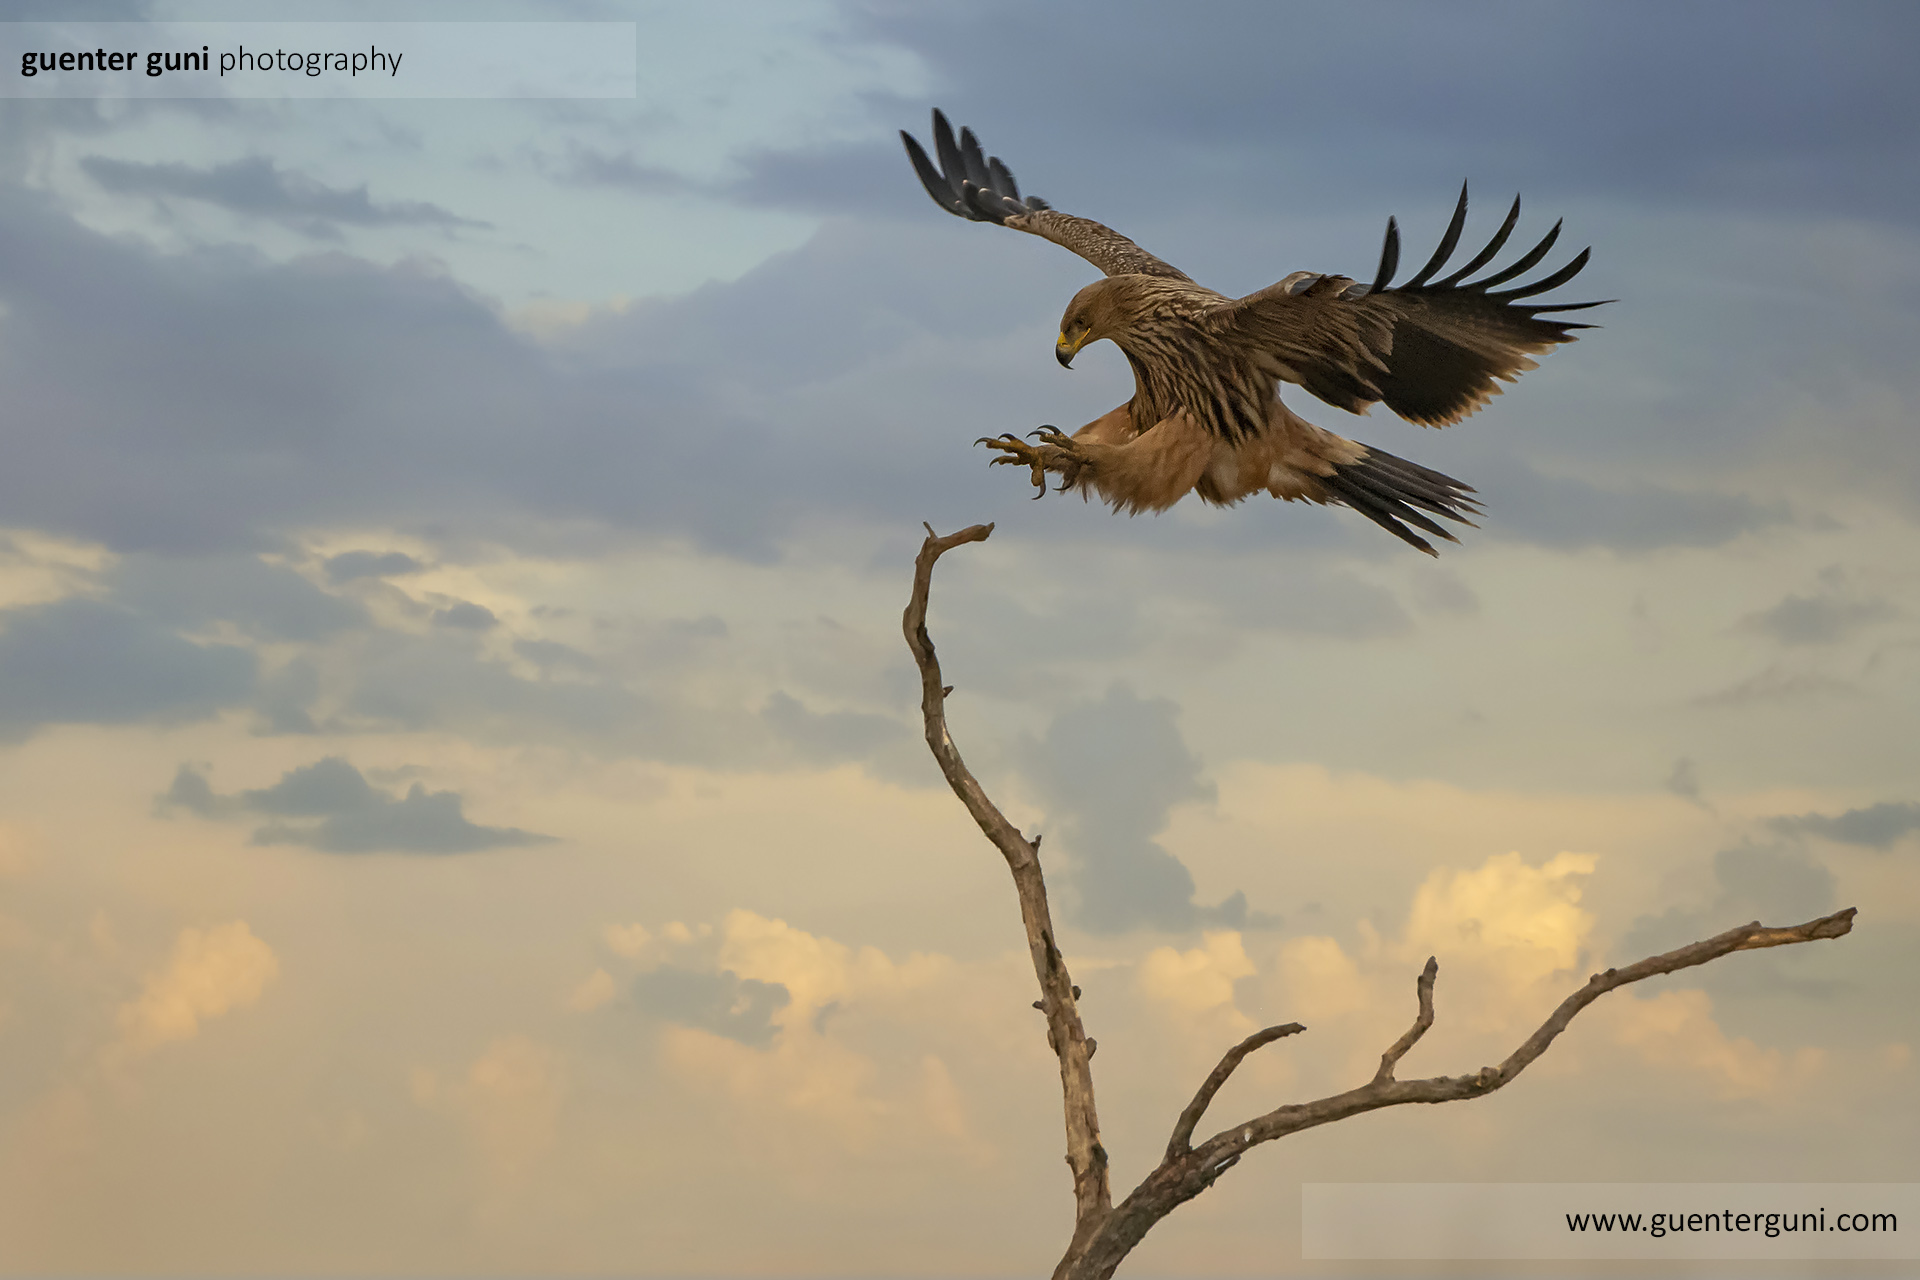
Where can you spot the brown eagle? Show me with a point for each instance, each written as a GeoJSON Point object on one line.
{"type": "Point", "coordinates": [1206, 413]}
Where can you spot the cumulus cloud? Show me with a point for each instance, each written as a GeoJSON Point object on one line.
{"type": "Point", "coordinates": [1199, 980]}
{"type": "Point", "coordinates": [210, 973]}
{"type": "Point", "coordinates": [330, 806]}
{"type": "Point", "coordinates": [1512, 940]}
{"type": "Point", "coordinates": [754, 978]}
{"type": "Point", "coordinates": [598, 988]}
{"type": "Point", "coordinates": [1677, 1029]}
{"type": "Point", "coordinates": [257, 187]}
{"type": "Point", "coordinates": [755, 1012]}
{"type": "Point", "coordinates": [724, 1003]}
{"type": "Point", "coordinates": [1511, 925]}
{"type": "Point", "coordinates": [509, 1100]}
{"type": "Point", "coordinates": [1320, 981]}
{"type": "Point", "coordinates": [1110, 773]}
{"type": "Point", "coordinates": [629, 940]}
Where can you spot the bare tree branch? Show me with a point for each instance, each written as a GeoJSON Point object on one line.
{"type": "Point", "coordinates": [1104, 1234]}
{"type": "Point", "coordinates": [1181, 1178]}
{"type": "Point", "coordinates": [1093, 1198]}
{"type": "Point", "coordinates": [1423, 988]}
{"type": "Point", "coordinates": [1182, 1140]}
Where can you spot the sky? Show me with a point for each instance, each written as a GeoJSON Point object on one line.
{"type": "Point", "coordinates": [462, 802]}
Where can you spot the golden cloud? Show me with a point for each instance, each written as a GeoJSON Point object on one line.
{"type": "Point", "coordinates": [1676, 1029]}
{"type": "Point", "coordinates": [211, 973]}
{"type": "Point", "coordinates": [1198, 981]}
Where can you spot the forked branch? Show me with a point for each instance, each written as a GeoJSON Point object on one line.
{"type": "Point", "coordinates": [1104, 1234]}
{"type": "Point", "coordinates": [1182, 1140]}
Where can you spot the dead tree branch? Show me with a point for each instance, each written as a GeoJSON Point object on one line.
{"type": "Point", "coordinates": [1182, 1140]}
{"type": "Point", "coordinates": [1423, 990]}
{"type": "Point", "coordinates": [1104, 1234]}
{"type": "Point", "coordinates": [1093, 1198]}
{"type": "Point", "coordinates": [1180, 1178]}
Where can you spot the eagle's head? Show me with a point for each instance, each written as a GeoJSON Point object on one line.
{"type": "Point", "coordinates": [1104, 309]}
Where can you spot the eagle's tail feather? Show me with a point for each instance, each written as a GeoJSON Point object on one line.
{"type": "Point", "coordinates": [1387, 489]}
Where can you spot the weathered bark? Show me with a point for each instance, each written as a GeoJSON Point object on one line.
{"type": "Point", "coordinates": [1093, 1200]}
{"type": "Point", "coordinates": [1103, 1234]}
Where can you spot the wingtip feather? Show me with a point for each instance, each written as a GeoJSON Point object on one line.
{"type": "Point", "coordinates": [1389, 258]}
{"type": "Point", "coordinates": [1448, 243]}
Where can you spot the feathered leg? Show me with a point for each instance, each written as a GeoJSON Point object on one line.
{"type": "Point", "coordinates": [1148, 471]}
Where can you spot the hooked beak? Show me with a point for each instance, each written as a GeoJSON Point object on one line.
{"type": "Point", "coordinates": [1064, 351]}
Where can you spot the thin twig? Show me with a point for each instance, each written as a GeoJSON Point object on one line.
{"type": "Point", "coordinates": [1423, 988]}
{"type": "Point", "coordinates": [1182, 1140]}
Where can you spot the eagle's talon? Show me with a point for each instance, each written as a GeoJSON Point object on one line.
{"type": "Point", "coordinates": [1056, 452]}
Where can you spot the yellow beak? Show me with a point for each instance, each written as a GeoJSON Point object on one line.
{"type": "Point", "coordinates": [1064, 351]}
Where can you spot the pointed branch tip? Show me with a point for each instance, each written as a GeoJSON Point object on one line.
{"type": "Point", "coordinates": [1182, 1140]}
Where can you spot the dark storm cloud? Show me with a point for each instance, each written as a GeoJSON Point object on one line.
{"type": "Point", "coordinates": [1683, 780]}
{"type": "Point", "coordinates": [80, 661]}
{"type": "Point", "coordinates": [466, 616]}
{"type": "Point", "coordinates": [859, 177]}
{"type": "Point", "coordinates": [724, 1003]}
{"type": "Point", "coordinates": [830, 736]}
{"type": "Point", "coordinates": [284, 696]}
{"type": "Point", "coordinates": [1824, 618]}
{"type": "Point", "coordinates": [1876, 826]}
{"type": "Point", "coordinates": [442, 681]}
{"type": "Point", "coordinates": [207, 400]}
{"type": "Point", "coordinates": [351, 565]}
{"type": "Point", "coordinates": [590, 167]}
{"type": "Point", "coordinates": [331, 807]}
{"type": "Point", "coordinates": [1306, 602]}
{"type": "Point", "coordinates": [211, 400]}
{"type": "Point", "coordinates": [553, 656]}
{"type": "Point", "coordinates": [1776, 886]}
{"type": "Point", "coordinates": [263, 600]}
{"type": "Point", "coordinates": [1564, 513]}
{"type": "Point", "coordinates": [1775, 104]}
{"type": "Point", "coordinates": [257, 187]}
{"type": "Point", "coordinates": [1110, 773]}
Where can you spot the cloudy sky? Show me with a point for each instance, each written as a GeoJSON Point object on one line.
{"type": "Point", "coordinates": [461, 803]}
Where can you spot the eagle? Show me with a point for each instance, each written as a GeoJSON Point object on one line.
{"type": "Point", "coordinates": [1206, 415]}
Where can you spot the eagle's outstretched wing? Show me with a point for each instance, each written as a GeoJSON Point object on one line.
{"type": "Point", "coordinates": [971, 184]}
{"type": "Point", "coordinates": [1429, 349]}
